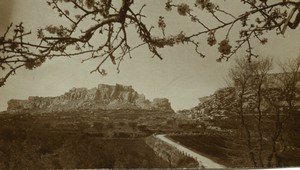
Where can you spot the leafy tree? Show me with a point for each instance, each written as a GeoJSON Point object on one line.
{"type": "Point", "coordinates": [112, 21]}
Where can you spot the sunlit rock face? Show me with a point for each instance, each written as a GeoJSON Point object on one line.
{"type": "Point", "coordinates": [101, 97]}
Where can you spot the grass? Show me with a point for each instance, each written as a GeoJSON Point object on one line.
{"type": "Point", "coordinates": [46, 150]}
{"type": "Point", "coordinates": [230, 152]}
{"type": "Point", "coordinates": [214, 147]}
{"type": "Point", "coordinates": [27, 143]}
{"type": "Point", "coordinates": [112, 153]}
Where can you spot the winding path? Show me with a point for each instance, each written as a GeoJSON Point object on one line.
{"type": "Point", "coordinates": [205, 162]}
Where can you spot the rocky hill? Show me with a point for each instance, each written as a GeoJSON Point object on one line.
{"type": "Point", "coordinates": [102, 97]}
{"type": "Point", "coordinates": [217, 104]}
{"type": "Point", "coordinates": [222, 108]}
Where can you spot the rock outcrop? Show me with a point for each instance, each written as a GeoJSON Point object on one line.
{"type": "Point", "coordinates": [217, 104]}
{"type": "Point", "coordinates": [103, 97]}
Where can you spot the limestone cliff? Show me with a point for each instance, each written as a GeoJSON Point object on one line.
{"type": "Point", "coordinates": [102, 97]}
{"type": "Point", "coordinates": [217, 104]}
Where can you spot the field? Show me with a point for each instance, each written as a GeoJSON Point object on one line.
{"type": "Point", "coordinates": [68, 140]}
{"type": "Point", "coordinates": [228, 150]}
{"type": "Point", "coordinates": [111, 139]}
{"type": "Point", "coordinates": [44, 150]}
{"type": "Point", "coordinates": [214, 147]}
{"type": "Point", "coordinates": [28, 142]}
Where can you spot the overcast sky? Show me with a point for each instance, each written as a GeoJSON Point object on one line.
{"type": "Point", "coordinates": [182, 76]}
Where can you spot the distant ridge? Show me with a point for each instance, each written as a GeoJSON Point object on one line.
{"type": "Point", "coordinates": [104, 96]}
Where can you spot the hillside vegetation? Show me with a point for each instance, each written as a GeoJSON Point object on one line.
{"type": "Point", "coordinates": [25, 145]}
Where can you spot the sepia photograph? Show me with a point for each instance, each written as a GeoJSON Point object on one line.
{"type": "Point", "coordinates": [143, 84]}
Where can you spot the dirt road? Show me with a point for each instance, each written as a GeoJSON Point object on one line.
{"type": "Point", "coordinates": [205, 162]}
